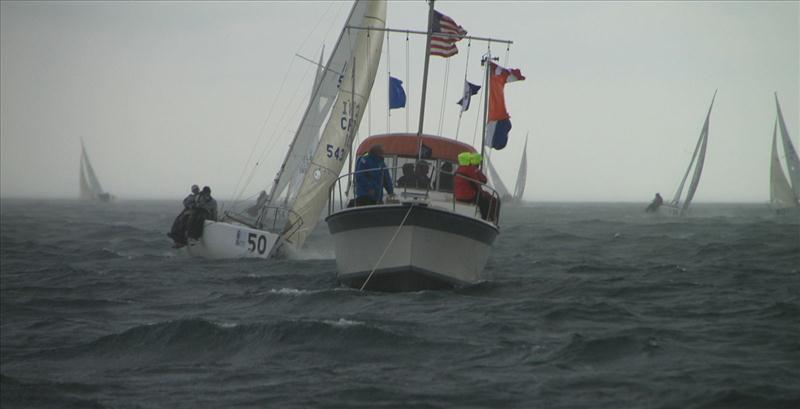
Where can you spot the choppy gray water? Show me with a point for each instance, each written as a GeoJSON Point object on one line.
{"type": "Point", "coordinates": [590, 306]}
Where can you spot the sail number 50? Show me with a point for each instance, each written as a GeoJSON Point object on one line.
{"type": "Point", "coordinates": [335, 152]}
{"type": "Point", "coordinates": [257, 242]}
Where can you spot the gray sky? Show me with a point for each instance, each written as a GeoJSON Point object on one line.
{"type": "Point", "coordinates": [166, 94]}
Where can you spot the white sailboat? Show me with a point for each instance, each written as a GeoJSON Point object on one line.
{"type": "Point", "coordinates": [496, 182]}
{"type": "Point", "coordinates": [522, 175]}
{"type": "Point", "coordinates": [343, 85]}
{"type": "Point", "coordinates": [677, 206]}
{"type": "Point", "coordinates": [90, 188]}
{"type": "Point", "coordinates": [423, 238]}
{"type": "Point", "coordinates": [784, 194]}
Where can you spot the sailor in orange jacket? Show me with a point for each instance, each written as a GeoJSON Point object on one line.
{"type": "Point", "coordinates": [467, 186]}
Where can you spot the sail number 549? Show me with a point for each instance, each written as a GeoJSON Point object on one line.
{"type": "Point", "coordinates": [335, 152]}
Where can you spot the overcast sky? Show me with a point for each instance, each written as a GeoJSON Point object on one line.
{"type": "Point", "coordinates": [167, 94]}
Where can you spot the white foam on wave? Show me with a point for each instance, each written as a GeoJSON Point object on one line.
{"type": "Point", "coordinates": [343, 323]}
{"type": "Point", "coordinates": [308, 253]}
{"type": "Point", "coordinates": [225, 324]}
{"type": "Point", "coordinates": [288, 291]}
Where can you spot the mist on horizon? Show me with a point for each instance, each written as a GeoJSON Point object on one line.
{"type": "Point", "coordinates": [166, 95]}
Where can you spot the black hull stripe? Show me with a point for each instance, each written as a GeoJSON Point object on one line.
{"type": "Point", "coordinates": [421, 216]}
{"type": "Point", "coordinates": [401, 279]}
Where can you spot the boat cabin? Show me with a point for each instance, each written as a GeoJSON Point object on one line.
{"type": "Point", "coordinates": [433, 172]}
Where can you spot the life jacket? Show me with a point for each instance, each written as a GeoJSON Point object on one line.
{"type": "Point", "coordinates": [464, 189]}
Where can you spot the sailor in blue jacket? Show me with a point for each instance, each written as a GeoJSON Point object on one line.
{"type": "Point", "coordinates": [372, 177]}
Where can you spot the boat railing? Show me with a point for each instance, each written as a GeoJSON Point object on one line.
{"type": "Point", "coordinates": [341, 197]}
{"type": "Point", "coordinates": [268, 218]}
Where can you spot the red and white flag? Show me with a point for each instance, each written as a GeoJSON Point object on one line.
{"type": "Point", "coordinates": [499, 124]}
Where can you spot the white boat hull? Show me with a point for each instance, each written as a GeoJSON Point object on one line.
{"type": "Point", "coordinates": [227, 240]}
{"type": "Point", "coordinates": [434, 249]}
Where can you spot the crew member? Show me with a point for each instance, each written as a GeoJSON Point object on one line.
{"type": "Point", "coordinates": [372, 177]}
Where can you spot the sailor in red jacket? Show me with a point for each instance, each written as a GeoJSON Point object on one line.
{"type": "Point", "coordinates": [467, 186]}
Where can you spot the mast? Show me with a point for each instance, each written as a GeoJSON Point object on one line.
{"type": "Point", "coordinates": [487, 61]}
{"type": "Point", "coordinates": [351, 137]}
{"type": "Point", "coordinates": [425, 81]}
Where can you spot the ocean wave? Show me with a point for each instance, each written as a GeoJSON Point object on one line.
{"type": "Point", "coordinates": [585, 350]}
{"type": "Point", "coordinates": [35, 393]}
{"type": "Point", "coordinates": [199, 339]}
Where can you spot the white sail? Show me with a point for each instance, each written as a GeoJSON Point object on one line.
{"type": "Point", "coordinates": [698, 159]}
{"type": "Point", "coordinates": [310, 136]}
{"type": "Point", "coordinates": [323, 94]}
{"type": "Point", "coordinates": [90, 186]}
{"type": "Point", "coordinates": [792, 162]}
{"type": "Point", "coordinates": [780, 192]}
{"type": "Point", "coordinates": [495, 180]}
{"type": "Point", "coordinates": [356, 57]}
{"type": "Point", "coordinates": [522, 175]}
{"type": "Point", "coordinates": [85, 190]}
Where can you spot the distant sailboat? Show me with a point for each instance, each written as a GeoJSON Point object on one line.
{"type": "Point", "coordinates": [519, 188]}
{"type": "Point", "coordinates": [90, 188]}
{"type": "Point", "coordinates": [784, 194]}
{"type": "Point", "coordinates": [677, 206]}
{"type": "Point", "coordinates": [522, 175]}
{"type": "Point", "coordinates": [496, 182]}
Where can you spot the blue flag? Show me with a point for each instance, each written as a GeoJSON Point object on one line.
{"type": "Point", "coordinates": [470, 89]}
{"type": "Point", "coordinates": [397, 97]}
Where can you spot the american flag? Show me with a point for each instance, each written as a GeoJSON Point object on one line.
{"type": "Point", "coordinates": [445, 45]}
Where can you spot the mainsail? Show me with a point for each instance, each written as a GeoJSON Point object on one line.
{"type": "Point", "coordinates": [89, 185]}
{"type": "Point", "coordinates": [522, 175]}
{"type": "Point", "coordinates": [780, 192]}
{"type": "Point", "coordinates": [698, 159]}
{"type": "Point", "coordinates": [792, 161]}
{"type": "Point", "coordinates": [297, 157]}
{"type": "Point", "coordinates": [356, 59]}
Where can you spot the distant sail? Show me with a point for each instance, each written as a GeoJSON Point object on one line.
{"type": "Point", "coordinates": [792, 161]}
{"type": "Point", "coordinates": [780, 192]}
{"type": "Point", "coordinates": [698, 159]}
{"type": "Point", "coordinates": [497, 183]}
{"type": "Point", "coordinates": [522, 175]}
{"type": "Point", "coordinates": [89, 184]}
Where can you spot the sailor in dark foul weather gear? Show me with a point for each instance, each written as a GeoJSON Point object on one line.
{"type": "Point", "coordinates": [205, 208]}
{"type": "Point", "coordinates": [372, 177]}
{"type": "Point", "coordinates": [178, 231]}
{"type": "Point", "coordinates": [655, 204]}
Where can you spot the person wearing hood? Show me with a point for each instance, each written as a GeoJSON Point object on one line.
{"type": "Point", "coordinates": [468, 186]}
{"type": "Point", "coordinates": [655, 204]}
{"type": "Point", "coordinates": [178, 231]}
{"type": "Point", "coordinates": [372, 177]}
{"type": "Point", "coordinates": [205, 209]}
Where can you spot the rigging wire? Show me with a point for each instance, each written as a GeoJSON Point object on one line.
{"type": "Point", "coordinates": [283, 125]}
{"type": "Point", "coordinates": [485, 88]}
{"type": "Point", "coordinates": [402, 223]}
{"type": "Point", "coordinates": [466, 69]}
{"type": "Point", "coordinates": [260, 133]}
{"type": "Point", "coordinates": [264, 123]}
{"type": "Point", "coordinates": [369, 101]}
{"type": "Point", "coordinates": [444, 95]}
{"type": "Point", "coordinates": [408, 83]}
{"type": "Point", "coordinates": [388, 86]}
